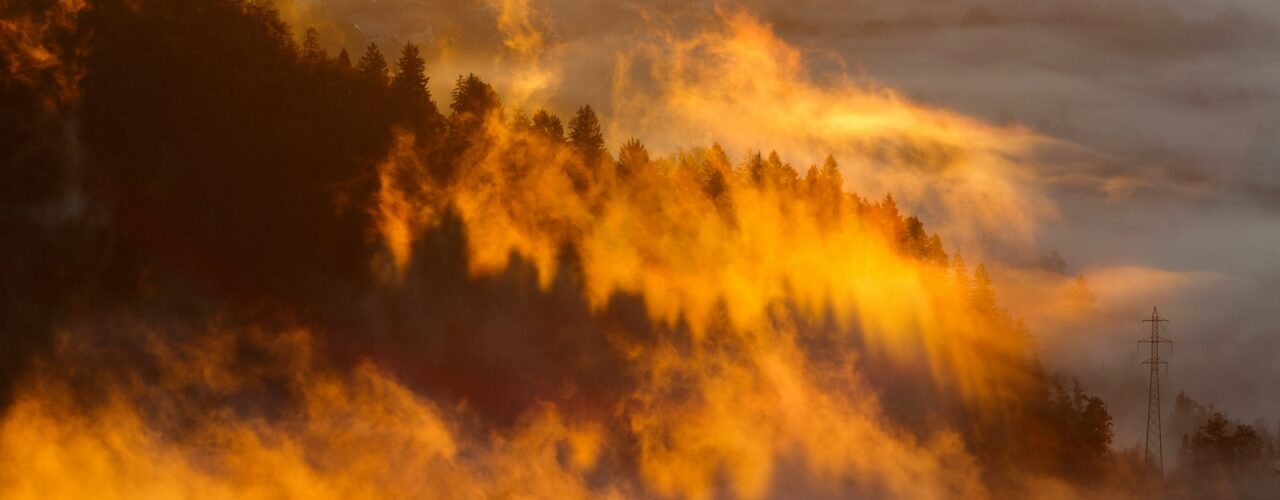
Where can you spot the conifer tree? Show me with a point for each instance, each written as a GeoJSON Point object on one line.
{"type": "Point", "coordinates": [632, 157]}
{"type": "Point", "coordinates": [372, 65]}
{"type": "Point", "coordinates": [520, 121]}
{"type": "Point", "coordinates": [549, 126]}
{"type": "Point", "coordinates": [344, 60]}
{"type": "Point", "coordinates": [473, 101]}
{"type": "Point", "coordinates": [1095, 429]}
{"type": "Point", "coordinates": [831, 174]}
{"type": "Point", "coordinates": [754, 169]}
{"type": "Point", "coordinates": [719, 159]}
{"type": "Point", "coordinates": [410, 80]}
{"type": "Point", "coordinates": [312, 53]}
{"type": "Point", "coordinates": [586, 137]}
{"type": "Point", "coordinates": [983, 292]}
{"type": "Point", "coordinates": [773, 170]}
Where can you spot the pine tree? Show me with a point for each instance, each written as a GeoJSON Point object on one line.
{"type": "Point", "coordinates": [549, 126]}
{"type": "Point", "coordinates": [312, 53]}
{"type": "Point", "coordinates": [410, 80]}
{"type": "Point", "coordinates": [773, 171]}
{"type": "Point", "coordinates": [831, 174]}
{"type": "Point", "coordinates": [520, 121]}
{"type": "Point", "coordinates": [983, 292]}
{"type": "Point", "coordinates": [344, 60]}
{"type": "Point", "coordinates": [632, 157]}
{"type": "Point", "coordinates": [812, 182]}
{"type": "Point", "coordinates": [915, 239]}
{"type": "Point", "coordinates": [1095, 428]}
{"type": "Point", "coordinates": [372, 65]}
{"type": "Point", "coordinates": [586, 137]}
{"type": "Point", "coordinates": [473, 101]}
{"type": "Point", "coordinates": [714, 173]}
{"type": "Point", "coordinates": [718, 159]}
{"type": "Point", "coordinates": [754, 169]}
{"type": "Point", "coordinates": [827, 186]}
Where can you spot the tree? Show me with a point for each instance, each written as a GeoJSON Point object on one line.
{"type": "Point", "coordinates": [372, 65]}
{"type": "Point", "coordinates": [831, 174]}
{"type": "Point", "coordinates": [585, 136]}
{"type": "Point", "coordinates": [718, 159]}
{"type": "Point", "coordinates": [713, 174]}
{"type": "Point", "coordinates": [1095, 428]}
{"type": "Point", "coordinates": [473, 102]}
{"type": "Point", "coordinates": [825, 188]}
{"type": "Point", "coordinates": [344, 60]}
{"type": "Point", "coordinates": [312, 53]}
{"type": "Point", "coordinates": [1222, 443]}
{"type": "Point", "coordinates": [520, 121]}
{"type": "Point", "coordinates": [778, 174]}
{"type": "Point", "coordinates": [632, 157]}
{"type": "Point", "coordinates": [1188, 415]}
{"type": "Point", "coordinates": [811, 182]}
{"type": "Point", "coordinates": [889, 207]}
{"type": "Point", "coordinates": [410, 80]}
{"type": "Point", "coordinates": [548, 126]}
{"type": "Point", "coordinates": [409, 85]}
{"type": "Point", "coordinates": [917, 243]}
{"type": "Point", "coordinates": [982, 294]}
{"type": "Point", "coordinates": [754, 168]}
{"type": "Point", "coordinates": [773, 166]}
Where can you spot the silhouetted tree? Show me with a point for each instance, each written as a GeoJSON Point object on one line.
{"type": "Point", "coordinates": [753, 170]}
{"type": "Point", "coordinates": [714, 174]}
{"type": "Point", "coordinates": [548, 126]}
{"type": "Point", "coordinates": [520, 121]}
{"type": "Point", "coordinates": [779, 174]}
{"type": "Point", "coordinates": [1095, 428]}
{"type": "Point", "coordinates": [586, 137]}
{"type": "Point", "coordinates": [1221, 443]}
{"type": "Point", "coordinates": [312, 53]}
{"type": "Point", "coordinates": [811, 180]}
{"type": "Point", "coordinates": [831, 172]}
{"type": "Point", "coordinates": [372, 65]}
{"type": "Point", "coordinates": [632, 157]}
{"type": "Point", "coordinates": [473, 102]}
{"type": "Point", "coordinates": [253, 175]}
{"type": "Point", "coordinates": [409, 86]}
{"type": "Point", "coordinates": [982, 293]}
{"type": "Point", "coordinates": [773, 167]}
{"type": "Point", "coordinates": [1188, 415]}
{"type": "Point", "coordinates": [410, 80]}
{"type": "Point", "coordinates": [917, 243]}
{"type": "Point", "coordinates": [344, 60]}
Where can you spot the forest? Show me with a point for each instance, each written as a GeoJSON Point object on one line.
{"type": "Point", "coordinates": [224, 243]}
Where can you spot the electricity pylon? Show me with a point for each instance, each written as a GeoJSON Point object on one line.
{"type": "Point", "coordinates": [1155, 442]}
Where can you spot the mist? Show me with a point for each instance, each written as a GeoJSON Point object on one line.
{"type": "Point", "coordinates": [664, 249]}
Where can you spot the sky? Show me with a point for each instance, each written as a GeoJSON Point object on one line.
{"type": "Point", "coordinates": [1163, 189]}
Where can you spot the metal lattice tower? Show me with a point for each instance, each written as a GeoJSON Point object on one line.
{"type": "Point", "coordinates": [1155, 443]}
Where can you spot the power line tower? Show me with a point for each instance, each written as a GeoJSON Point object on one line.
{"type": "Point", "coordinates": [1155, 442]}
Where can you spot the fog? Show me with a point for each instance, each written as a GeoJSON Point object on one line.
{"type": "Point", "coordinates": [1175, 104]}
